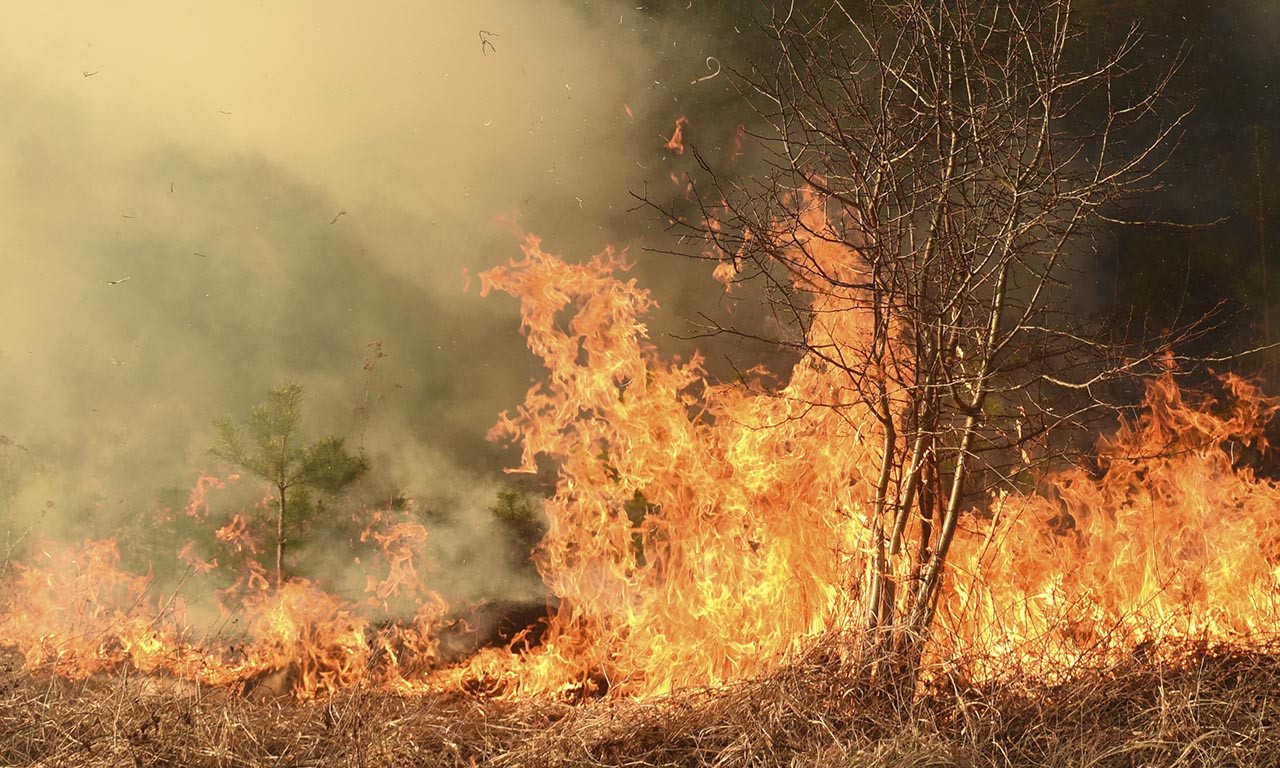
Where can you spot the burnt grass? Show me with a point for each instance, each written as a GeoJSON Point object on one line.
{"type": "Point", "coordinates": [1215, 707]}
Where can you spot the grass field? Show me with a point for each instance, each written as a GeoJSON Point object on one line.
{"type": "Point", "coordinates": [1218, 707]}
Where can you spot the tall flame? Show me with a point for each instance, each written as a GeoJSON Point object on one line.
{"type": "Point", "coordinates": [676, 142]}
{"type": "Point", "coordinates": [699, 531]}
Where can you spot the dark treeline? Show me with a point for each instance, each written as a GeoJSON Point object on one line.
{"type": "Point", "coordinates": [1216, 248]}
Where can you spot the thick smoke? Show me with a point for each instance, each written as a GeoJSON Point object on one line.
{"type": "Point", "coordinates": [201, 203]}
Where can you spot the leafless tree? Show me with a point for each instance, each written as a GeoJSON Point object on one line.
{"type": "Point", "coordinates": [963, 152]}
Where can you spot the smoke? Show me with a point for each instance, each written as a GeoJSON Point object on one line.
{"type": "Point", "coordinates": [197, 204]}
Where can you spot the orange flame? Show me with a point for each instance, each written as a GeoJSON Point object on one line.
{"type": "Point", "coordinates": [80, 612]}
{"type": "Point", "coordinates": [676, 142]}
{"type": "Point", "coordinates": [1171, 539]}
{"type": "Point", "coordinates": [735, 151]}
{"type": "Point", "coordinates": [75, 612]}
{"type": "Point", "coordinates": [699, 532]}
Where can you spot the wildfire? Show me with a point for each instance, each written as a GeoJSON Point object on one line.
{"type": "Point", "coordinates": [75, 612]}
{"type": "Point", "coordinates": [699, 532]}
{"type": "Point", "coordinates": [1171, 537]}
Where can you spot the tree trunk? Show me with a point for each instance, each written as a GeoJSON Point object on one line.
{"type": "Point", "coordinates": [280, 539]}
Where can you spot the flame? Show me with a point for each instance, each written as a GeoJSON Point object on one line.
{"type": "Point", "coordinates": [198, 500]}
{"type": "Point", "coordinates": [75, 612]}
{"type": "Point", "coordinates": [735, 150]}
{"type": "Point", "coordinates": [1169, 538]}
{"type": "Point", "coordinates": [79, 612]}
{"type": "Point", "coordinates": [701, 531]}
{"type": "Point", "coordinates": [676, 142]}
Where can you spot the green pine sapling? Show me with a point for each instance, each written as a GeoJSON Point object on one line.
{"type": "Point", "coordinates": [274, 452]}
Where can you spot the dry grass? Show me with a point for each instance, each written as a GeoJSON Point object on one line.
{"type": "Point", "coordinates": [1214, 708]}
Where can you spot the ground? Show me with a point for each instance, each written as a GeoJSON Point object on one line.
{"type": "Point", "coordinates": [1214, 707]}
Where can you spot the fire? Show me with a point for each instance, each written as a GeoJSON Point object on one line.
{"type": "Point", "coordinates": [676, 142]}
{"type": "Point", "coordinates": [79, 611]}
{"type": "Point", "coordinates": [1170, 537]}
{"type": "Point", "coordinates": [735, 150]}
{"type": "Point", "coordinates": [75, 612]}
{"type": "Point", "coordinates": [701, 531]}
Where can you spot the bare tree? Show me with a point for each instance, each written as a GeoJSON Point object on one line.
{"type": "Point", "coordinates": [933, 170]}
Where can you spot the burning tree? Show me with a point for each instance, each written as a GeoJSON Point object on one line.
{"type": "Point", "coordinates": [277, 454]}
{"type": "Point", "coordinates": [933, 170]}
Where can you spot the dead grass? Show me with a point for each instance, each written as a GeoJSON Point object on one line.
{"type": "Point", "coordinates": [1219, 707]}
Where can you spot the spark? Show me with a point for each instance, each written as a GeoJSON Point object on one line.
{"type": "Point", "coordinates": [676, 142]}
